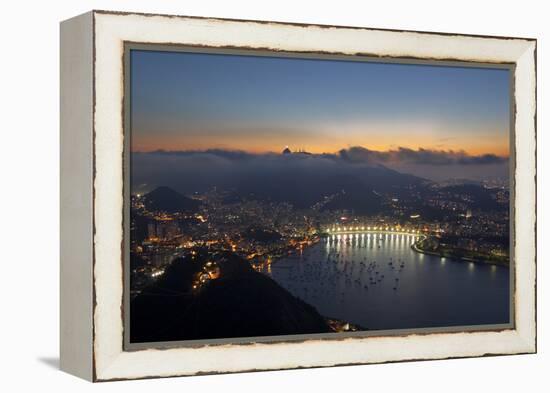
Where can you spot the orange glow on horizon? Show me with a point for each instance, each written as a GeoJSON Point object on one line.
{"type": "Point", "coordinates": [328, 138]}
{"type": "Point", "coordinates": [480, 148]}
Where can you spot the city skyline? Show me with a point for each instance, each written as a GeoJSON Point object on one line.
{"type": "Point", "coordinates": [189, 101]}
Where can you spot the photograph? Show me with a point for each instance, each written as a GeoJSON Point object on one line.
{"type": "Point", "coordinates": [281, 196]}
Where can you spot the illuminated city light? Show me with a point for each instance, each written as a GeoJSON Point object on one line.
{"type": "Point", "coordinates": [157, 273]}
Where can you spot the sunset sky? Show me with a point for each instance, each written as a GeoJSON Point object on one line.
{"type": "Point", "coordinates": [183, 101]}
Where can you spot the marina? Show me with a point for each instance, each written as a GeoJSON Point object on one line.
{"type": "Point", "coordinates": [377, 281]}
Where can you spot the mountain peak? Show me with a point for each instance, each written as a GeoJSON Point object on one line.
{"type": "Point", "coordinates": [166, 199]}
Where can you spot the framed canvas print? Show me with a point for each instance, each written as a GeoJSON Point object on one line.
{"type": "Point", "coordinates": [246, 195]}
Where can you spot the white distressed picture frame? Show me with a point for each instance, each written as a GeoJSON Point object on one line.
{"type": "Point", "coordinates": [92, 176]}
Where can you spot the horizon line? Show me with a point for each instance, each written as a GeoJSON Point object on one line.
{"type": "Point", "coordinates": [336, 152]}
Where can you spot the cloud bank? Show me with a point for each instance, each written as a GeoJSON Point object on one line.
{"type": "Point", "coordinates": [403, 155]}
{"type": "Point", "coordinates": [358, 154]}
{"type": "Point", "coordinates": [199, 170]}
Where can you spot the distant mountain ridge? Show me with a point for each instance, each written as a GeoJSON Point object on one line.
{"type": "Point", "coordinates": [326, 182]}
{"type": "Point", "coordinates": [352, 187]}
{"type": "Point", "coordinates": [297, 181]}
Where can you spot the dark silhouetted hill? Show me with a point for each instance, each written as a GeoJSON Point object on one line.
{"type": "Point", "coordinates": [241, 303]}
{"type": "Point", "coordinates": [302, 180]}
{"type": "Point", "coordinates": [305, 186]}
{"type": "Point", "coordinates": [168, 200]}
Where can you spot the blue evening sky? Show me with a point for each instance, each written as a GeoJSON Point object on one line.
{"type": "Point", "coordinates": [185, 101]}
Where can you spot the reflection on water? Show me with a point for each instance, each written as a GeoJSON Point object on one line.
{"type": "Point", "coordinates": [378, 282]}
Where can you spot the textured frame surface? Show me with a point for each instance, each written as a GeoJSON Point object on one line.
{"type": "Point", "coordinates": [111, 31]}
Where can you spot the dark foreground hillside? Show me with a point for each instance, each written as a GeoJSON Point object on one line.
{"type": "Point", "coordinates": [240, 302]}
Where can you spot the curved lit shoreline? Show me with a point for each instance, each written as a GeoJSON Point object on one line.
{"type": "Point", "coordinates": [415, 246]}
{"type": "Point", "coordinates": [414, 233]}
{"type": "Point", "coordinates": [383, 232]}
{"type": "Point", "coordinates": [372, 229]}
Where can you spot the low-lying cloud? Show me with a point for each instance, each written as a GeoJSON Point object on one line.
{"type": "Point", "coordinates": [357, 155]}
{"type": "Point", "coordinates": [403, 155]}
{"type": "Point", "coordinates": [199, 170]}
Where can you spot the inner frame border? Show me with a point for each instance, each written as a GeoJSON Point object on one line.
{"type": "Point", "coordinates": [128, 46]}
